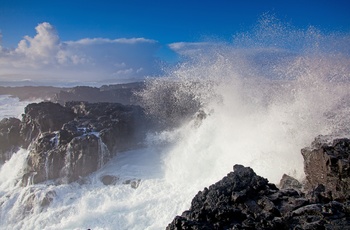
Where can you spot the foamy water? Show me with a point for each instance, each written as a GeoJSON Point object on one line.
{"type": "Point", "coordinates": [12, 106]}
{"type": "Point", "coordinates": [263, 101]}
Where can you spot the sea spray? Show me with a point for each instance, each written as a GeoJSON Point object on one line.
{"type": "Point", "coordinates": [260, 123]}
{"type": "Point", "coordinates": [256, 101]}
{"type": "Point", "coordinates": [265, 102]}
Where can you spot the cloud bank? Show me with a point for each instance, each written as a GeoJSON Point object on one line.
{"type": "Point", "coordinates": [46, 58]}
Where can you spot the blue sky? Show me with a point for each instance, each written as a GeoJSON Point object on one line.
{"type": "Point", "coordinates": [159, 23]}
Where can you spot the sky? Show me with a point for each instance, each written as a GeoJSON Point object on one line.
{"type": "Point", "coordinates": [114, 41]}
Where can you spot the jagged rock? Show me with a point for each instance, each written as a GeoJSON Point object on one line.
{"type": "Point", "coordinates": [45, 160]}
{"type": "Point", "coordinates": [9, 137]}
{"type": "Point", "coordinates": [289, 182]}
{"type": "Point", "coordinates": [82, 144]}
{"type": "Point", "coordinates": [43, 117]}
{"type": "Point", "coordinates": [236, 201]}
{"type": "Point", "coordinates": [120, 127]}
{"type": "Point", "coordinates": [83, 157]}
{"type": "Point", "coordinates": [48, 160]}
{"type": "Point", "coordinates": [328, 164]}
{"type": "Point", "coordinates": [243, 200]}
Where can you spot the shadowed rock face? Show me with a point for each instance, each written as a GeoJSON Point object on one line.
{"type": "Point", "coordinates": [43, 117]}
{"type": "Point", "coordinates": [327, 163]}
{"type": "Point", "coordinates": [244, 200]}
{"type": "Point", "coordinates": [9, 137]}
{"type": "Point", "coordinates": [71, 141]}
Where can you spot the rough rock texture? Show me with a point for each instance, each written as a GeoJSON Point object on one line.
{"type": "Point", "coordinates": [289, 182]}
{"type": "Point", "coordinates": [243, 200]}
{"type": "Point", "coordinates": [120, 127]}
{"type": "Point", "coordinates": [327, 163]}
{"type": "Point", "coordinates": [9, 137]}
{"type": "Point", "coordinates": [82, 138]}
{"type": "Point", "coordinates": [43, 117]}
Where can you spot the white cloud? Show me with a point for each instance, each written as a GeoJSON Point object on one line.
{"type": "Point", "coordinates": [46, 57]}
{"type": "Point", "coordinates": [192, 48]}
{"type": "Point", "coordinates": [92, 41]}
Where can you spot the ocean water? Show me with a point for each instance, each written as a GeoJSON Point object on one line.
{"type": "Point", "coordinates": [262, 98]}
{"type": "Point", "coordinates": [12, 106]}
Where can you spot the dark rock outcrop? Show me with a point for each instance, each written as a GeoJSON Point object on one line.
{"type": "Point", "coordinates": [69, 142]}
{"type": "Point", "coordinates": [120, 127]}
{"type": "Point", "coordinates": [43, 117]}
{"type": "Point", "coordinates": [9, 137]}
{"type": "Point", "coordinates": [327, 163]}
{"type": "Point", "coordinates": [243, 200]}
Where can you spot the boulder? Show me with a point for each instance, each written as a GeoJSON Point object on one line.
{"type": "Point", "coordinates": [109, 179]}
{"type": "Point", "coordinates": [134, 183]}
{"type": "Point", "coordinates": [327, 163]}
{"type": "Point", "coordinates": [289, 182]}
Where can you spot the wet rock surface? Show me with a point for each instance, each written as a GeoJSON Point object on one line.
{"type": "Point", "coordinates": [109, 179]}
{"type": "Point", "coordinates": [69, 142]}
{"type": "Point", "coordinates": [9, 137]}
{"type": "Point", "coordinates": [43, 117]}
{"type": "Point", "coordinates": [244, 200]}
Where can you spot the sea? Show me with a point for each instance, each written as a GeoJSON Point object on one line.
{"type": "Point", "coordinates": [263, 97]}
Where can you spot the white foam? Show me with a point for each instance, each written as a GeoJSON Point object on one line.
{"type": "Point", "coordinates": [262, 104]}
{"type": "Point", "coordinates": [11, 106]}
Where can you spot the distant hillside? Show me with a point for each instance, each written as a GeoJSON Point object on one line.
{"type": "Point", "coordinates": [31, 92]}
{"type": "Point", "coordinates": [120, 93]}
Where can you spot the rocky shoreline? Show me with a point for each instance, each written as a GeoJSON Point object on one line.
{"type": "Point", "coordinates": [119, 93]}
{"type": "Point", "coordinates": [69, 142]}
{"type": "Point", "coordinates": [71, 139]}
{"type": "Point", "coordinates": [244, 200]}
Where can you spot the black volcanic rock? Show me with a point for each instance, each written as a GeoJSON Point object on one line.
{"type": "Point", "coordinates": [43, 117]}
{"type": "Point", "coordinates": [45, 160]}
{"type": "Point", "coordinates": [120, 127]}
{"type": "Point", "coordinates": [9, 137]}
{"type": "Point", "coordinates": [244, 200]}
{"type": "Point", "coordinates": [84, 155]}
{"type": "Point", "coordinates": [82, 138]}
{"type": "Point", "coordinates": [238, 200]}
{"type": "Point", "coordinates": [327, 163]}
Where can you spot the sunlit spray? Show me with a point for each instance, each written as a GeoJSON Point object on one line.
{"type": "Point", "coordinates": [254, 101]}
